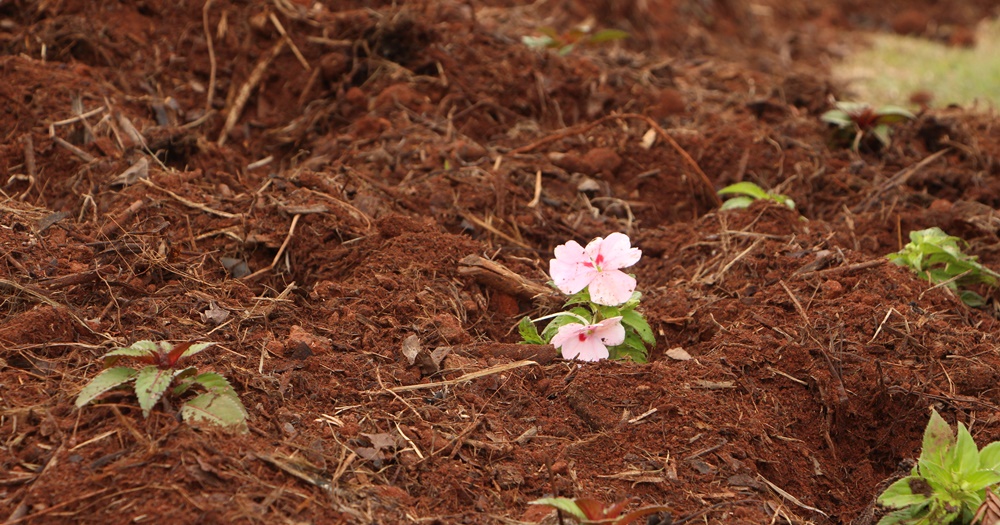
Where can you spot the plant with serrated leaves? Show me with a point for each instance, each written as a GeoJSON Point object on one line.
{"type": "Point", "coordinates": [565, 43]}
{"type": "Point", "coordinates": [747, 192]}
{"type": "Point", "coordinates": [949, 481]}
{"type": "Point", "coordinates": [160, 369]}
{"type": "Point", "coordinates": [587, 511]}
{"type": "Point", "coordinates": [855, 120]}
{"type": "Point", "coordinates": [937, 257]}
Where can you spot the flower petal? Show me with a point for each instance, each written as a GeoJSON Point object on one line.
{"type": "Point", "coordinates": [570, 277]}
{"type": "Point", "coordinates": [611, 287]}
{"type": "Point", "coordinates": [568, 270]}
{"type": "Point", "coordinates": [617, 253]}
{"type": "Point", "coordinates": [567, 333]}
{"type": "Point", "coordinates": [610, 331]}
{"type": "Point", "coordinates": [591, 349]}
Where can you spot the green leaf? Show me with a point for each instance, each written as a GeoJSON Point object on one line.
{"type": "Point", "coordinates": [632, 348]}
{"type": "Point", "coordinates": [195, 348]}
{"type": "Point", "coordinates": [537, 42]}
{"type": "Point", "coordinates": [632, 301]}
{"type": "Point", "coordinates": [637, 322]}
{"type": "Point", "coordinates": [837, 117]}
{"type": "Point", "coordinates": [581, 297]}
{"type": "Point", "coordinates": [736, 203]}
{"type": "Point", "coordinates": [989, 456]}
{"type": "Point", "coordinates": [938, 438]}
{"type": "Point", "coordinates": [106, 380]}
{"type": "Point", "coordinates": [550, 329]}
{"type": "Point", "coordinates": [150, 384]}
{"type": "Point", "coordinates": [744, 188]}
{"type": "Point", "coordinates": [215, 408]}
{"type": "Point", "coordinates": [215, 382]}
{"type": "Point", "coordinates": [529, 334]}
{"type": "Point", "coordinates": [906, 516]}
{"type": "Point", "coordinates": [882, 133]}
{"type": "Point", "coordinates": [965, 453]}
{"type": "Point", "coordinates": [979, 480]}
{"type": "Point", "coordinates": [607, 35]}
{"type": "Point", "coordinates": [900, 494]}
{"type": "Point", "coordinates": [893, 114]}
{"type": "Point", "coordinates": [563, 504]}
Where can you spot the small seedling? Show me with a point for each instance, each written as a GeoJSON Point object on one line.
{"type": "Point", "coordinates": [585, 510]}
{"type": "Point", "coordinates": [937, 257]}
{"type": "Point", "coordinates": [855, 120]}
{"type": "Point", "coordinates": [602, 321]}
{"type": "Point", "coordinates": [218, 404]}
{"type": "Point", "coordinates": [948, 483]}
{"type": "Point", "coordinates": [747, 192]}
{"type": "Point", "coordinates": [566, 42]}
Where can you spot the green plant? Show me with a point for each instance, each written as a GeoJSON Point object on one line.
{"type": "Point", "coordinates": [637, 331]}
{"type": "Point", "coordinates": [564, 43]}
{"type": "Point", "coordinates": [747, 192]}
{"type": "Point", "coordinates": [855, 120]}
{"type": "Point", "coordinates": [949, 481]}
{"type": "Point", "coordinates": [586, 510]}
{"type": "Point", "coordinates": [937, 257]}
{"type": "Point", "coordinates": [604, 323]}
{"type": "Point", "coordinates": [218, 404]}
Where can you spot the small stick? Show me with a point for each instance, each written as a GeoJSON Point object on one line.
{"type": "Point", "coordinates": [244, 95]}
{"type": "Point", "coordinates": [499, 277]}
{"type": "Point", "coordinates": [843, 269]}
{"type": "Point", "coordinates": [281, 251]}
{"type": "Point", "coordinates": [795, 301]}
{"type": "Point", "coordinates": [188, 203]}
{"type": "Point", "coordinates": [538, 190]}
{"type": "Point", "coordinates": [295, 50]}
{"type": "Point", "coordinates": [211, 56]}
{"type": "Point", "coordinates": [29, 154]}
{"type": "Point", "coordinates": [87, 157]}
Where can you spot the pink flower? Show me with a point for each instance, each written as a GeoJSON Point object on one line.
{"type": "Point", "coordinates": [589, 342]}
{"type": "Point", "coordinates": [597, 266]}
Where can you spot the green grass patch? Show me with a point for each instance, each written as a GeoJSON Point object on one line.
{"type": "Point", "coordinates": [893, 67]}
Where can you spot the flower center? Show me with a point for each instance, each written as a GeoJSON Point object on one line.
{"type": "Point", "coordinates": [596, 264]}
{"type": "Point", "coordinates": [585, 334]}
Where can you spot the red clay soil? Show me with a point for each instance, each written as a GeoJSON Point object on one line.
{"type": "Point", "coordinates": [303, 184]}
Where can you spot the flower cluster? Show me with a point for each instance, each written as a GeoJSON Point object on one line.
{"type": "Point", "coordinates": [605, 323]}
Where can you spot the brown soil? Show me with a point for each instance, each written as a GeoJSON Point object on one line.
{"type": "Point", "coordinates": [348, 168]}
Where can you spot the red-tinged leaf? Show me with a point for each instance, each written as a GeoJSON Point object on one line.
{"type": "Point", "coordinates": [175, 353]}
{"type": "Point", "coordinates": [615, 510]}
{"type": "Point", "coordinates": [640, 513]}
{"type": "Point", "coordinates": [593, 509]}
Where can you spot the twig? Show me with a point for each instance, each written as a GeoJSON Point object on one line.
{"type": "Point", "coordinates": [54, 508]}
{"type": "Point", "coordinates": [795, 301]}
{"type": "Point", "coordinates": [188, 203]}
{"type": "Point", "coordinates": [244, 95]}
{"type": "Point", "coordinates": [29, 154]}
{"type": "Point", "coordinates": [284, 34]}
{"type": "Point", "coordinates": [842, 269]}
{"type": "Point", "coordinates": [281, 251]}
{"type": "Point", "coordinates": [461, 379]}
{"type": "Point", "coordinates": [86, 157]}
{"type": "Point", "coordinates": [789, 497]}
{"type": "Point", "coordinates": [499, 277]}
{"type": "Point", "coordinates": [538, 190]}
{"type": "Point", "coordinates": [211, 56]}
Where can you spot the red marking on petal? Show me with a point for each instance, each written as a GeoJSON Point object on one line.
{"type": "Point", "coordinates": [599, 259]}
{"type": "Point", "coordinates": [588, 264]}
{"type": "Point", "coordinates": [582, 336]}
